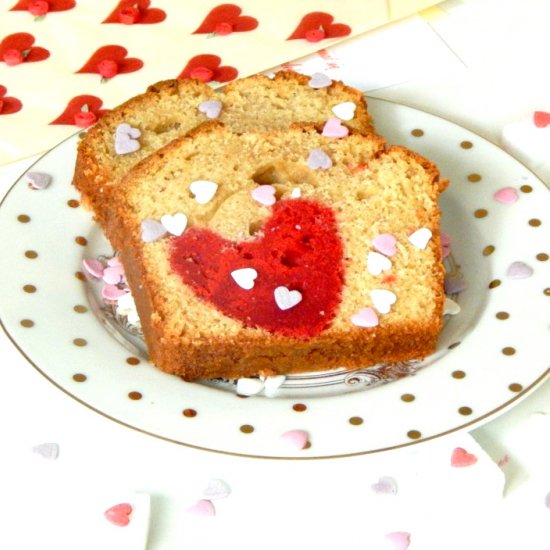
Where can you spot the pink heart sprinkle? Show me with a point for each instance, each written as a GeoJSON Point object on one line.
{"type": "Point", "coordinates": [506, 195]}
{"type": "Point", "coordinates": [385, 486]}
{"type": "Point", "coordinates": [385, 243]}
{"type": "Point", "coordinates": [93, 267]}
{"type": "Point", "coordinates": [114, 261]}
{"type": "Point", "coordinates": [519, 270]}
{"type": "Point", "coordinates": [462, 458]}
{"type": "Point", "coordinates": [295, 439]}
{"type": "Point", "coordinates": [126, 139]}
{"type": "Point", "coordinates": [400, 539]}
{"type": "Point", "coordinates": [547, 500]}
{"type": "Point", "coordinates": [445, 239]}
{"type": "Point", "coordinates": [365, 318]}
{"type": "Point", "coordinates": [38, 180]}
{"type": "Point", "coordinates": [334, 128]}
{"type": "Point", "coordinates": [119, 514]}
{"type": "Point", "coordinates": [318, 159]}
{"type": "Point", "coordinates": [211, 108]}
{"type": "Point", "coordinates": [264, 194]}
{"type": "Point", "coordinates": [445, 251]}
{"type": "Point", "coordinates": [111, 293]}
{"type": "Point", "coordinates": [453, 285]}
{"type": "Point", "coordinates": [113, 275]}
{"type": "Point", "coordinates": [202, 507]}
{"type": "Point", "coordinates": [319, 80]}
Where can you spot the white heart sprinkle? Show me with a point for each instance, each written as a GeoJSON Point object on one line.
{"type": "Point", "coordinates": [249, 386]}
{"type": "Point", "coordinates": [273, 383]}
{"type": "Point", "coordinates": [296, 193]}
{"type": "Point", "coordinates": [151, 230]}
{"type": "Point", "coordinates": [450, 307]}
{"type": "Point", "coordinates": [264, 194]}
{"type": "Point", "coordinates": [176, 224]}
{"type": "Point", "coordinates": [421, 238]}
{"type": "Point", "coordinates": [245, 277]}
{"type": "Point", "coordinates": [217, 488]}
{"type": "Point", "coordinates": [203, 190]}
{"type": "Point", "coordinates": [211, 108]}
{"type": "Point", "coordinates": [345, 110]}
{"type": "Point", "coordinates": [376, 263]}
{"type": "Point", "coordinates": [285, 298]}
{"type": "Point", "coordinates": [47, 450]}
{"type": "Point", "coordinates": [383, 300]}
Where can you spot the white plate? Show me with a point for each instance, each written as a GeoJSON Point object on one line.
{"type": "Point", "coordinates": [490, 355]}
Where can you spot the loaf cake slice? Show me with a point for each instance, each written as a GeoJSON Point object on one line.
{"type": "Point", "coordinates": [172, 108]}
{"type": "Point", "coordinates": [282, 252]}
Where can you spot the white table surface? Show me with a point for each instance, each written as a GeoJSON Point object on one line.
{"type": "Point", "coordinates": [503, 49]}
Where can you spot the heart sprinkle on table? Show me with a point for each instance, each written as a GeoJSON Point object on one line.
{"type": "Point", "coordinates": [461, 458]}
{"type": "Point", "coordinates": [38, 180]}
{"type": "Point", "coordinates": [49, 451]}
{"type": "Point", "coordinates": [386, 485]}
{"type": "Point", "coordinates": [506, 195]}
{"type": "Point", "coordinates": [119, 514]}
{"type": "Point", "coordinates": [216, 489]}
{"type": "Point", "coordinates": [519, 270]}
{"type": "Point", "coordinates": [399, 539]}
{"type": "Point", "coordinates": [202, 507]}
{"type": "Point", "coordinates": [295, 439]}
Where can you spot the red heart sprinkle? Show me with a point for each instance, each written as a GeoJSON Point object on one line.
{"type": "Point", "coordinates": [541, 119]}
{"type": "Point", "coordinates": [462, 458]}
{"type": "Point", "coordinates": [119, 514]}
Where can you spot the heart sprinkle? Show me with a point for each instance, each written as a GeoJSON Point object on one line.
{"type": "Point", "coordinates": [462, 458]}
{"type": "Point", "coordinates": [450, 307]}
{"type": "Point", "coordinates": [376, 263]}
{"type": "Point", "coordinates": [365, 318]}
{"type": "Point", "coordinates": [112, 293]}
{"type": "Point", "coordinates": [47, 450]}
{"type": "Point", "coordinates": [211, 108]}
{"type": "Point", "coordinates": [519, 270]}
{"type": "Point", "coordinates": [151, 230]}
{"type": "Point", "coordinates": [296, 193]}
{"type": "Point", "coordinates": [93, 267]}
{"type": "Point", "coordinates": [203, 507]}
{"type": "Point", "coordinates": [547, 500]}
{"type": "Point", "coordinates": [385, 243]}
{"type": "Point", "coordinates": [541, 119]}
{"type": "Point", "coordinates": [119, 514]}
{"type": "Point", "coordinates": [203, 190]}
{"type": "Point", "coordinates": [273, 383]}
{"type": "Point", "coordinates": [287, 299]}
{"type": "Point", "coordinates": [334, 128]}
{"type": "Point", "coordinates": [216, 489]}
{"type": "Point", "coordinates": [345, 110]}
{"type": "Point", "coordinates": [421, 238]}
{"type": "Point", "coordinates": [245, 277]}
{"type": "Point", "coordinates": [506, 195]}
{"type": "Point", "coordinates": [264, 194]}
{"type": "Point", "coordinates": [318, 159]}
{"type": "Point", "coordinates": [295, 439]}
{"type": "Point", "coordinates": [126, 139]}
{"type": "Point", "coordinates": [454, 285]}
{"type": "Point", "coordinates": [383, 300]}
{"type": "Point", "coordinates": [399, 539]}
{"type": "Point", "coordinates": [38, 180]}
{"type": "Point", "coordinates": [176, 224]}
{"type": "Point", "coordinates": [319, 80]}
{"type": "Point", "coordinates": [385, 486]}
{"type": "Point", "coordinates": [249, 386]}
{"type": "Point", "coordinates": [113, 275]}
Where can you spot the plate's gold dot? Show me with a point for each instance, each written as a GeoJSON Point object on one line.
{"type": "Point", "coordinates": [31, 254]}
{"type": "Point", "coordinates": [80, 342]}
{"type": "Point", "coordinates": [79, 377]}
{"type": "Point", "coordinates": [299, 407]}
{"type": "Point", "coordinates": [246, 429]}
{"type": "Point", "coordinates": [458, 374]}
{"type": "Point", "coordinates": [417, 132]}
{"type": "Point", "coordinates": [80, 308]}
{"type": "Point", "coordinates": [515, 387]}
{"type": "Point", "coordinates": [82, 241]}
{"type": "Point", "coordinates": [29, 289]}
{"type": "Point", "coordinates": [80, 276]}
{"type": "Point", "coordinates": [414, 434]}
{"type": "Point", "coordinates": [133, 361]}
{"type": "Point", "coordinates": [546, 291]}
{"type": "Point", "coordinates": [23, 218]}
{"type": "Point", "coordinates": [488, 250]}
{"type": "Point", "coordinates": [408, 397]}
{"type": "Point", "coordinates": [481, 213]}
{"type": "Point", "coordinates": [494, 283]}
{"type": "Point", "coordinates": [534, 222]}
{"type": "Point", "coordinates": [466, 144]}
{"type": "Point", "coordinates": [356, 421]}
{"type": "Point", "coordinates": [454, 345]}
{"type": "Point", "coordinates": [526, 188]}
{"type": "Point", "coordinates": [189, 413]}
{"type": "Point", "coordinates": [474, 178]}
{"type": "Point", "coordinates": [135, 395]}
{"type": "Point", "coordinates": [73, 203]}
{"type": "Point", "coordinates": [542, 257]}
{"type": "Point", "coordinates": [508, 350]}
{"type": "Point", "coordinates": [27, 323]}
{"type": "Point", "coordinates": [502, 315]}
{"type": "Point", "coordinates": [465, 411]}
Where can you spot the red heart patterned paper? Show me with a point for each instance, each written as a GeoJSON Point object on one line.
{"type": "Point", "coordinates": [320, 23]}
{"type": "Point", "coordinates": [23, 42]}
{"type": "Point", "coordinates": [53, 5]}
{"type": "Point", "coordinates": [132, 12]}
{"type": "Point", "coordinates": [8, 105]}
{"type": "Point", "coordinates": [228, 15]}
{"type": "Point", "coordinates": [112, 53]}
{"type": "Point", "coordinates": [206, 67]}
{"type": "Point", "coordinates": [76, 106]}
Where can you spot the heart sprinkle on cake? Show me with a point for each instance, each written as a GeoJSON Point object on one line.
{"type": "Point", "coordinates": [334, 128]}
{"type": "Point", "coordinates": [345, 110]}
{"type": "Point", "coordinates": [126, 139]}
{"type": "Point", "coordinates": [420, 238]}
{"type": "Point", "coordinates": [298, 259]}
{"type": "Point", "coordinates": [211, 108]}
{"type": "Point", "coordinates": [203, 190]}
{"type": "Point", "coordinates": [319, 80]}
{"type": "Point", "coordinates": [318, 159]}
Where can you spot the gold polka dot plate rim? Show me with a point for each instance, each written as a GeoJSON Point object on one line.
{"type": "Point", "coordinates": [490, 356]}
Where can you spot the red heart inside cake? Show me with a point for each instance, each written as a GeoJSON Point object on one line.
{"type": "Point", "coordinates": [299, 248]}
